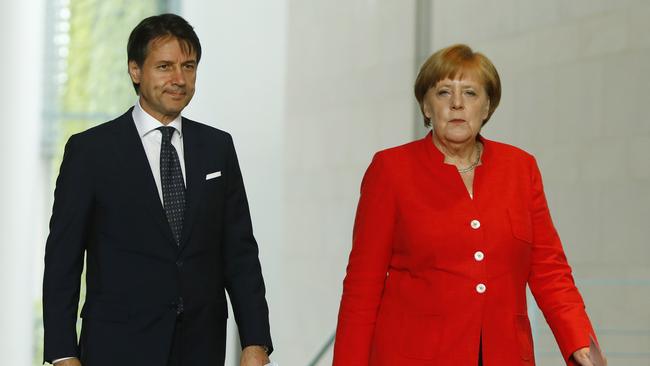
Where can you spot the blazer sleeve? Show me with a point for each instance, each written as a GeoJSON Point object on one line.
{"type": "Point", "coordinates": [372, 241]}
{"type": "Point", "coordinates": [64, 252]}
{"type": "Point", "coordinates": [242, 270]}
{"type": "Point", "coordinates": [550, 279]}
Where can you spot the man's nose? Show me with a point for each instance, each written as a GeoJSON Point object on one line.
{"type": "Point", "coordinates": [178, 77]}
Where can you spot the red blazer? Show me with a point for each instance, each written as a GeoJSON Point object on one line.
{"type": "Point", "coordinates": [432, 271]}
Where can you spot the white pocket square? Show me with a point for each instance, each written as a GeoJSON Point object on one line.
{"type": "Point", "coordinates": [213, 175]}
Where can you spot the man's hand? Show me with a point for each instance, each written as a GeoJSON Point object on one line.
{"type": "Point", "coordinates": [254, 356]}
{"type": "Point", "coordinates": [581, 356]}
{"type": "Point", "coordinates": [69, 362]}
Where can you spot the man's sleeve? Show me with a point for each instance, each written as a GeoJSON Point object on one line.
{"type": "Point", "coordinates": [61, 359]}
{"type": "Point", "coordinates": [64, 252]}
{"type": "Point", "coordinates": [243, 273]}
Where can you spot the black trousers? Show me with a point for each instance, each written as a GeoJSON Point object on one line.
{"type": "Point", "coordinates": [175, 350]}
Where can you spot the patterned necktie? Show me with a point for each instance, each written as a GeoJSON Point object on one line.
{"type": "Point", "coordinates": [173, 186]}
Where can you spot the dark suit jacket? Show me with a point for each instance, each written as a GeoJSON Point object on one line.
{"type": "Point", "coordinates": [106, 206]}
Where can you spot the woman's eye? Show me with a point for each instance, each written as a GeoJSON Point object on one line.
{"type": "Point", "coordinates": [443, 92]}
{"type": "Point", "coordinates": [471, 92]}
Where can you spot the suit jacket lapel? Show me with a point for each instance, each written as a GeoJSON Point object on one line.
{"type": "Point", "coordinates": [192, 150]}
{"type": "Point", "coordinates": [132, 157]}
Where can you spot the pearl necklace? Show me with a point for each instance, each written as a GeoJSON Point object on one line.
{"type": "Point", "coordinates": [475, 163]}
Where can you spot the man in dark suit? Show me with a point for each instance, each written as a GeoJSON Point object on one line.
{"type": "Point", "coordinates": [156, 203]}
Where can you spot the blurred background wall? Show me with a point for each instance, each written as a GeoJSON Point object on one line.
{"type": "Point", "coordinates": [310, 90]}
{"type": "Point", "coordinates": [575, 77]}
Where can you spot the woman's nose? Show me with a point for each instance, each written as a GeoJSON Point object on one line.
{"type": "Point", "coordinates": [457, 101]}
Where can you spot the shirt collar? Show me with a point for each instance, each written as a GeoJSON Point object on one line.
{"type": "Point", "coordinates": [146, 123]}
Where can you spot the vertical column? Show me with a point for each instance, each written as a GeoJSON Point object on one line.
{"type": "Point", "coordinates": [241, 89]}
{"type": "Point", "coordinates": [21, 180]}
{"type": "Point", "coordinates": [423, 45]}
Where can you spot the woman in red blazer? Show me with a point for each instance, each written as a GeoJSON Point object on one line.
{"type": "Point", "coordinates": [449, 231]}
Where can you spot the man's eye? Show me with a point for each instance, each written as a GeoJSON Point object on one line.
{"type": "Point", "coordinates": [189, 67]}
{"type": "Point", "coordinates": [163, 67]}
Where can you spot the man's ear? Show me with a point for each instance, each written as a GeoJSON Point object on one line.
{"type": "Point", "coordinates": [135, 72]}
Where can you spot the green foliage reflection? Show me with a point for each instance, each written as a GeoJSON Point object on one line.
{"type": "Point", "coordinates": [97, 87]}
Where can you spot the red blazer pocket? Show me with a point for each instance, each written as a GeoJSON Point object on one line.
{"type": "Point", "coordinates": [521, 224]}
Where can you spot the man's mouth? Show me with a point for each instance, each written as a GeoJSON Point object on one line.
{"type": "Point", "coordinates": [177, 93]}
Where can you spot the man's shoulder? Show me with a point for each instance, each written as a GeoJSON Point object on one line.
{"type": "Point", "coordinates": [109, 130]}
{"type": "Point", "coordinates": [105, 129]}
{"type": "Point", "coordinates": [206, 131]}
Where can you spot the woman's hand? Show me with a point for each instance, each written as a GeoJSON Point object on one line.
{"type": "Point", "coordinates": [581, 357]}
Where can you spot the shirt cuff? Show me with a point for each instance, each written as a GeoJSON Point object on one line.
{"type": "Point", "coordinates": [61, 359]}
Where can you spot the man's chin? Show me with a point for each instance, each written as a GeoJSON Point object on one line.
{"type": "Point", "coordinates": [175, 108]}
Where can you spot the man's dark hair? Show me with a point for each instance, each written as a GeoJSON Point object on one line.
{"type": "Point", "coordinates": [159, 26]}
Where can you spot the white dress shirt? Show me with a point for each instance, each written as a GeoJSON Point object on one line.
{"type": "Point", "coordinates": [151, 141]}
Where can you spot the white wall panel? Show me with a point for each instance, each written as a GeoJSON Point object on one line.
{"type": "Point", "coordinates": [575, 76]}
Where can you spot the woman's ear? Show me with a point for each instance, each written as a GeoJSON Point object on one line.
{"type": "Point", "coordinates": [486, 110]}
{"type": "Point", "coordinates": [426, 110]}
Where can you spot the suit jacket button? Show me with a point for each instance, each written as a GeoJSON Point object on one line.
{"type": "Point", "coordinates": [179, 263]}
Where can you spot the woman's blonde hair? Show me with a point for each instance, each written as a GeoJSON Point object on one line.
{"type": "Point", "coordinates": [452, 62]}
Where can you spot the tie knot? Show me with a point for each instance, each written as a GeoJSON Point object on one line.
{"type": "Point", "coordinates": [167, 133]}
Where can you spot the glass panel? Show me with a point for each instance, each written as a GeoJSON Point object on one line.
{"type": "Point", "coordinates": [86, 78]}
